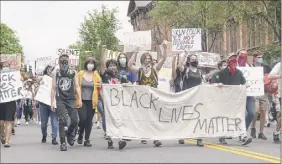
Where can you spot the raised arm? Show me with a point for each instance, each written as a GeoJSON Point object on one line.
{"type": "Point", "coordinates": [102, 59]}
{"type": "Point", "coordinates": [130, 65]}
{"type": "Point", "coordinates": [163, 48]}
{"type": "Point", "coordinates": [173, 71]}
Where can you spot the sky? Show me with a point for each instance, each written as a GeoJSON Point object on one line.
{"type": "Point", "coordinates": [44, 26]}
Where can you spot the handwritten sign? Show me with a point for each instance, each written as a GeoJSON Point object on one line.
{"type": "Point", "coordinates": [141, 112]}
{"type": "Point", "coordinates": [14, 61]}
{"type": "Point", "coordinates": [207, 59]}
{"type": "Point", "coordinates": [10, 86]}
{"type": "Point", "coordinates": [254, 78]}
{"type": "Point", "coordinates": [186, 39]}
{"type": "Point", "coordinates": [43, 94]}
{"type": "Point", "coordinates": [140, 39]}
{"type": "Point", "coordinates": [42, 62]}
{"type": "Point", "coordinates": [110, 54]}
{"type": "Point", "coordinates": [73, 56]}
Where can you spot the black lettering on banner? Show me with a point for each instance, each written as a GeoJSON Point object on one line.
{"type": "Point", "coordinates": [123, 103]}
{"type": "Point", "coordinates": [134, 97]}
{"type": "Point", "coordinates": [116, 96]}
{"type": "Point", "coordinates": [7, 88]}
{"type": "Point", "coordinates": [227, 124]}
{"type": "Point", "coordinates": [152, 101]}
{"type": "Point", "coordinates": [140, 101]}
{"type": "Point", "coordinates": [191, 114]}
{"type": "Point", "coordinates": [160, 116]}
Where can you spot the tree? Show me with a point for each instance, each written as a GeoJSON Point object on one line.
{"type": "Point", "coordinates": [9, 42]}
{"type": "Point", "coordinates": [210, 16]}
{"type": "Point", "coordinates": [98, 28]}
{"type": "Point", "coordinates": [269, 11]}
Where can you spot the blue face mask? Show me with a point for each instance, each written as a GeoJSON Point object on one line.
{"type": "Point", "coordinates": [5, 69]}
{"type": "Point", "coordinates": [259, 60]}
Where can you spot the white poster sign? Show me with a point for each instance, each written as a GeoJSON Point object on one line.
{"type": "Point", "coordinates": [42, 62]}
{"type": "Point", "coordinates": [254, 78]}
{"type": "Point", "coordinates": [141, 112]}
{"type": "Point", "coordinates": [10, 86]}
{"type": "Point", "coordinates": [73, 56]}
{"type": "Point", "coordinates": [43, 94]}
{"type": "Point", "coordinates": [186, 39]}
{"type": "Point", "coordinates": [164, 76]}
{"type": "Point", "coordinates": [207, 59]}
{"type": "Point", "coordinates": [140, 39]}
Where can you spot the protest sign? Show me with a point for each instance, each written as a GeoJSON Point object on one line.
{"type": "Point", "coordinates": [42, 62]}
{"type": "Point", "coordinates": [207, 59]}
{"type": "Point", "coordinates": [14, 61]}
{"type": "Point", "coordinates": [43, 94]}
{"type": "Point", "coordinates": [186, 39]}
{"type": "Point", "coordinates": [141, 39]}
{"type": "Point", "coordinates": [10, 86]}
{"type": "Point", "coordinates": [254, 78]}
{"type": "Point", "coordinates": [73, 56]}
{"type": "Point", "coordinates": [141, 112]}
{"type": "Point", "coordinates": [110, 54]}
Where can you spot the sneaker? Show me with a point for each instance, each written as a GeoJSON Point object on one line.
{"type": "Point", "coordinates": [246, 140]}
{"type": "Point", "coordinates": [143, 142]}
{"type": "Point", "coordinates": [26, 122]}
{"type": "Point", "coordinates": [98, 125]}
{"type": "Point", "coordinates": [121, 144]}
{"type": "Point", "coordinates": [110, 144]}
{"type": "Point", "coordinates": [13, 131]}
{"type": "Point", "coordinates": [106, 137]}
{"type": "Point", "coordinates": [3, 140]}
{"type": "Point", "coordinates": [200, 143]}
{"type": "Point", "coordinates": [276, 138]}
{"type": "Point", "coordinates": [54, 141]}
{"type": "Point", "coordinates": [63, 147]}
{"type": "Point", "coordinates": [181, 142]}
{"type": "Point", "coordinates": [18, 122]}
{"type": "Point", "coordinates": [87, 143]}
{"type": "Point", "coordinates": [262, 136]}
{"type": "Point", "coordinates": [157, 143]}
{"type": "Point", "coordinates": [80, 139]}
{"type": "Point", "coordinates": [253, 133]}
{"type": "Point", "coordinates": [43, 140]}
{"type": "Point", "coordinates": [222, 141]}
{"type": "Point", "coordinates": [70, 140]}
{"type": "Point", "coordinates": [7, 145]}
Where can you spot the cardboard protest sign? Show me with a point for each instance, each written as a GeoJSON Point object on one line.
{"type": "Point", "coordinates": [141, 112]}
{"type": "Point", "coordinates": [141, 39]}
{"type": "Point", "coordinates": [110, 54]}
{"type": "Point", "coordinates": [14, 61]}
{"type": "Point", "coordinates": [43, 94]}
{"type": "Point", "coordinates": [186, 39]}
{"type": "Point", "coordinates": [207, 59]}
{"type": "Point", "coordinates": [10, 86]}
{"type": "Point", "coordinates": [254, 77]}
{"type": "Point", "coordinates": [42, 62]}
{"type": "Point", "coordinates": [73, 56]}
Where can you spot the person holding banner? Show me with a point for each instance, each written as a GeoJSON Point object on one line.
{"type": "Point", "coordinates": [110, 75]}
{"type": "Point", "coordinates": [88, 80]}
{"type": "Point", "coordinates": [275, 74]}
{"type": "Point", "coordinates": [7, 114]}
{"type": "Point", "coordinates": [148, 74]}
{"type": "Point", "coordinates": [64, 87]}
{"type": "Point", "coordinates": [233, 76]}
{"type": "Point", "coordinates": [190, 76]}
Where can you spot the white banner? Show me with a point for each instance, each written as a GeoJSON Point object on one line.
{"type": "Point", "coordinates": [10, 86]}
{"type": "Point", "coordinates": [140, 39]}
{"type": "Point", "coordinates": [186, 39]}
{"type": "Point", "coordinates": [141, 112]}
{"type": "Point", "coordinates": [43, 94]}
{"type": "Point", "coordinates": [254, 78]}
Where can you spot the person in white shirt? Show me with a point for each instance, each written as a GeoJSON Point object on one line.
{"type": "Point", "coordinates": [28, 101]}
{"type": "Point", "coordinates": [276, 75]}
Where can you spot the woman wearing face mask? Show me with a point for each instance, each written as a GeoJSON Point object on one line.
{"type": "Point", "coordinates": [110, 75]}
{"type": "Point", "coordinates": [124, 72]}
{"type": "Point", "coordinates": [88, 80]}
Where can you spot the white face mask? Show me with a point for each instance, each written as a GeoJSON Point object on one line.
{"type": "Point", "coordinates": [122, 62]}
{"type": "Point", "coordinates": [90, 67]}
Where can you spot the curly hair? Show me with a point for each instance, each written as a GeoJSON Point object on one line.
{"type": "Point", "coordinates": [111, 61]}
{"type": "Point", "coordinates": [143, 57]}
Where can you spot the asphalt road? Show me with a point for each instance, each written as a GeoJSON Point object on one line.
{"type": "Point", "coordinates": [26, 147]}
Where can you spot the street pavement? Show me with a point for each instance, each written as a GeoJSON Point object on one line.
{"type": "Point", "coordinates": [26, 147]}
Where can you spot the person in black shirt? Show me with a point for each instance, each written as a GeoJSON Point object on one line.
{"type": "Point", "coordinates": [231, 76]}
{"type": "Point", "coordinates": [64, 88]}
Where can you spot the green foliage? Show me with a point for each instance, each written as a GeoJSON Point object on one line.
{"type": "Point", "coordinates": [98, 28]}
{"type": "Point", "coordinates": [272, 53]}
{"type": "Point", "coordinates": [9, 42]}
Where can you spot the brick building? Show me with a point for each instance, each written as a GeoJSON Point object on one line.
{"type": "Point", "coordinates": [251, 34]}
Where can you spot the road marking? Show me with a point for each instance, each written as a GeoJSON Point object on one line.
{"type": "Point", "coordinates": [260, 156]}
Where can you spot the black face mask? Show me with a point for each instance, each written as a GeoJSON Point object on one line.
{"type": "Point", "coordinates": [64, 66]}
{"type": "Point", "coordinates": [194, 63]}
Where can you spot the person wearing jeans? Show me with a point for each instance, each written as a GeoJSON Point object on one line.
{"type": "Point", "coordinates": [45, 114]}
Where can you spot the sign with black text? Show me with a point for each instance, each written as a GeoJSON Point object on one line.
{"type": "Point", "coordinates": [10, 86]}
{"type": "Point", "coordinates": [141, 112]}
{"type": "Point", "coordinates": [186, 39]}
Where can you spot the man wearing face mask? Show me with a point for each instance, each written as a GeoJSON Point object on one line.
{"type": "Point", "coordinates": [233, 76]}
{"type": "Point", "coordinates": [64, 88]}
{"type": "Point", "coordinates": [262, 103]}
